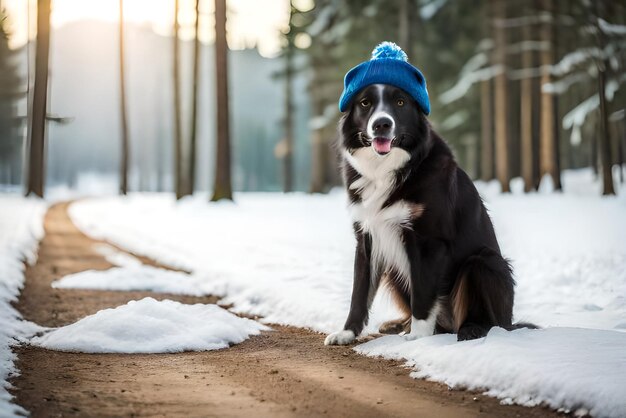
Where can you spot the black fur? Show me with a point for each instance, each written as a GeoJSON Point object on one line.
{"type": "Point", "coordinates": [452, 248]}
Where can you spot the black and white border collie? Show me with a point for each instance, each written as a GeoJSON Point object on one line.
{"type": "Point", "coordinates": [420, 225]}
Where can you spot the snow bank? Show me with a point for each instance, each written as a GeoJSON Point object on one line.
{"type": "Point", "coordinates": [115, 257]}
{"type": "Point", "coordinates": [21, 228]}
{"type": "Point", "coordinates": [288, 258]}
{"type": "Point", "coordinates": [134, 278]}
{"type": "Point", "coordinates": [151, 326]}
{"type": "Point", "coordinates": [577, 370]}
{"type": "Point", "coordinates": [567, 251]}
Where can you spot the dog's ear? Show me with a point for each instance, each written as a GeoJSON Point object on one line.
{"type": "Point", "coordinates": [342, 120]}
{"type": "Point", "coordinates": [338, 144]}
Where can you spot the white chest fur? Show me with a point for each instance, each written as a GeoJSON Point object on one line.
{"type": "Point", "coordinates": [383, 224]}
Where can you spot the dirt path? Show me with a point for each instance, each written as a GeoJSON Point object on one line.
{"type": "Point", "coordinates": [287, 372]}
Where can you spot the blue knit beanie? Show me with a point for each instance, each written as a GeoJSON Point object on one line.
{"type": "Point", "coordinates": [388, 65]}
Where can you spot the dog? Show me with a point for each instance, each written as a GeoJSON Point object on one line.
{"type": "Point", "coordinates": [420, 225]}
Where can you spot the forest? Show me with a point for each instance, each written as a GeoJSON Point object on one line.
{"type": "Point", "coordinates": [519, 88]}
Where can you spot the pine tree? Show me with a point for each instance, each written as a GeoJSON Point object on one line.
{"type": "Point", "coordinates": [600, 9]}
{"type": "Point", "coordinates": [10, 81]}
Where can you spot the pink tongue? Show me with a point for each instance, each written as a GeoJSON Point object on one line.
{"type": "Point", "coordinates": [382, 145]}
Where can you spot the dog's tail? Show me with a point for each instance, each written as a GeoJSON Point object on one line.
{"type": "Point", "coordinates": [520, 325]}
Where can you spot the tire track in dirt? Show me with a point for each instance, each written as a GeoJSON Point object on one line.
{"type": "Point", "coordinates": [285, 372]}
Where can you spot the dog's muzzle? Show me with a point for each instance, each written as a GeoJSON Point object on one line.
{"type": "Point", "coordinates": [382, 145]}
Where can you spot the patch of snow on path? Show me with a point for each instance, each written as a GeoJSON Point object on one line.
{"type": "Point", "coordinates": [151, 326]}
{"type": "Point", "coordinates": [134, 278]}
{"type": "Point", "coordinates": [115, 257]}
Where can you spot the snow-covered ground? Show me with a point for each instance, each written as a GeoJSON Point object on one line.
{"type": "Point", "coordinates": [289, 260]}
{"type": "Point", "coordinates": [21, 227]}
{"type": "Point", "coordinates": [140, 277]}
{"type": "Point", "coordinates": [571, 369]}
{"type": "Point", "coordinates": [151, 326]}
{"type": "Point", "coordinates": [116, 257]}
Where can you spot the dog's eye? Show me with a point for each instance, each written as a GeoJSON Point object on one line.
{"type": "Point", "coordinates": [400, 102]}
{"type": "Point", "coordinates": [365, 103]}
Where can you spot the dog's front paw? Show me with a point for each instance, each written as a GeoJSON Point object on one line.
{"type": "Point", "coordinates": [340, 338]}
{"type": "Point", "coordinates": [420, 329]}
{"type": "Point", "coordinates": [415, 336]}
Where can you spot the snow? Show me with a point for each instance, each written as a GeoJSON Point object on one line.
{"type": "Point", "coordinates": [563, 85]}
{"type": "Point", "coordinates": [151, 326]}
{"type": "Point", "coordinates": [272, 259]}
{"type": "Point", "coordinates": [21, 227]}
{"type": "Point", "coordinates": [455, 120]}
{"type": "Point", "coordinates": [116, 257]}
{"type": "Point", "coordinates": [288, 259]}
{"type": "Point", "coordinates": [133, 278]}
{"type": "Point", "coordinates": [576, 117]}
{"type": "Point", "coordinates": [430, 9]}
{"type": "Point", "coordinates": [567, 252]}
{"type": "Point", "coordinates": [611, 29]}
{"type": "Point", "coordinates": [467, 80]}
{"type": "Point", "coordinates": [573, 59]}
{"type": "Point", "coordinates": [522, 46]}
{"type": "Point", "coordinates": [566, 368]}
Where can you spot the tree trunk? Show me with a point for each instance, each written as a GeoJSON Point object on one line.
{"type": "Point", "coordinates": [526, 114]}
{"type": "Point", "coordinates": [125, 141]}
{"type": "Point", "coordinates": [556, 12]}
{"type": "Point", "coordinates": [620, 150]}
{"type": "Point", "coordinates": [486, 148]}
{"type": "Point", "coordinates": [501, 99]}
{"type": "Point", "coordinates": [288, 156]}
{"type": "Point", "coordinates": [536, 137]}
{"type": "Point", "coordinates": [548, 148]}
{"type": "Point", "coordinates": [486, 114]}
{"type": "Point", "coordinates": [318, 166]}
{"type": "Point", "coordinates": [557, 142]}
{"type": "Point", "coordinates": [318, 155]}
{"type": "Point", "coordinates": [222, 188]}
{"type": "Point", "coordinates": [403, 25]}
{"type": "Point", "coordinates": [605, 135]}
{"type": "Point", "coordinates": [191, 160]}
{"type": "Point", "coordinates": [179, 185]}
{"type": "Point", "coordinates": [594, 149]}
{"type": "Point", "coordinates": [37, 131]}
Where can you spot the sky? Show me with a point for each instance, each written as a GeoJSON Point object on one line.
{"type": "Point", "coordinates": [250, 22]}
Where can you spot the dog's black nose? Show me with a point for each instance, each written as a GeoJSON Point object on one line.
{"type": "Point", "coordinates": [382, 124]}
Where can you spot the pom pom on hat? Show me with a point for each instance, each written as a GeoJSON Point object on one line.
{"type": "Point", "coordinates": [388, 65]}
{"type": "Point", "coordinates": [389, 50]}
